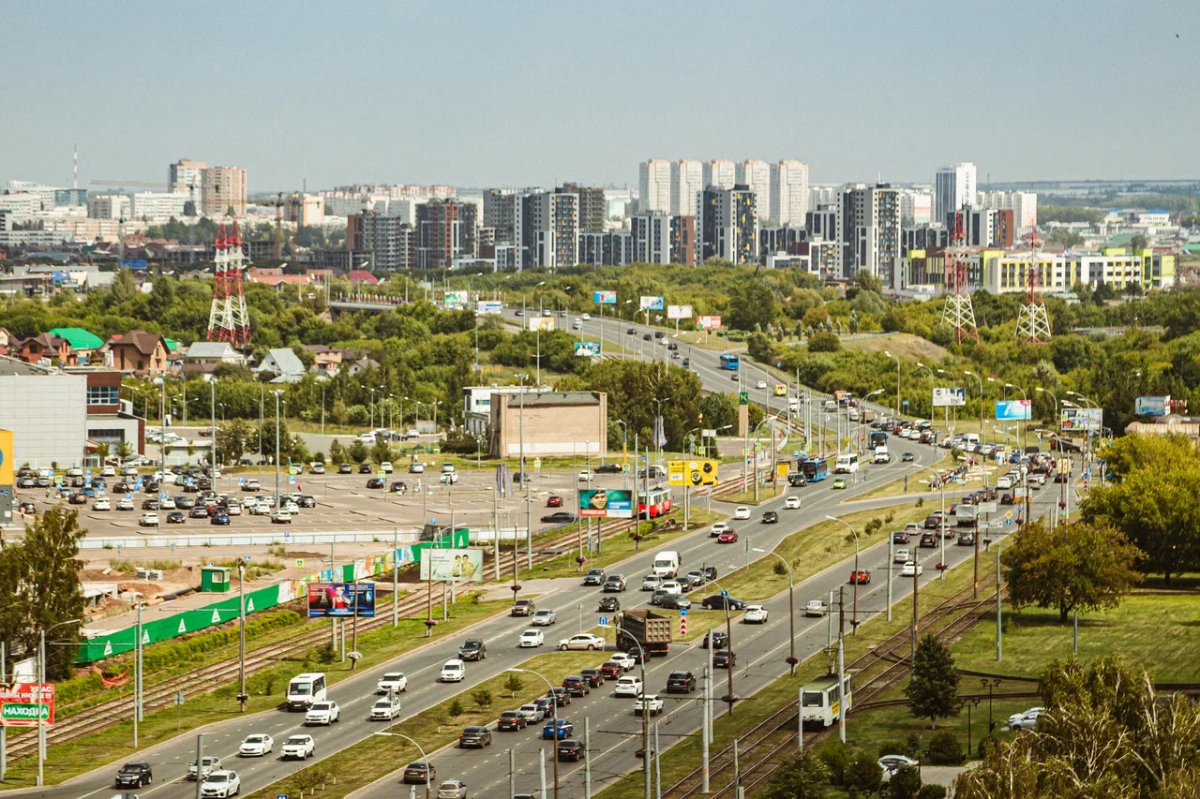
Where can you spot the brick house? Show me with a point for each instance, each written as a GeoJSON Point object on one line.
{"type": "Point", "coordinates": [139, 352]}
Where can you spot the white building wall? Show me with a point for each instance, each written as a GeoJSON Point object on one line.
{"type": "Point", "coordinates": [654, 180]}
{"type": "Point", "coordinates": [955, 186]}
{"type": "Point", "coordinates": [756, 175]}
{"type": "Point", "coordinates": [789, 192]}
{"type": "Point", "coordinates": [687, 180]}
{"type": "Point", "coordinates": [720, 172]}
{"type": "Point", "coordinates": [48, 417]}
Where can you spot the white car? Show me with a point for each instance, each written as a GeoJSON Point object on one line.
{"type": "Point", "coordinates": [717, 529]}
{"type": "Point", "coordinates": [893, 763]}
{"type": "Point", "coordinates": [755, 614]}
{"type": "Point", "coordinates": [324, 713]}
{"type": "Point", "coordinates": [453, 671]}
{"type": "Point", "coordinates": [652, 704]}
{"type": "Point", "coordinates": [167, 504]}
{"type": "Point", "coordinates": [291, 508]}
{"type": "Point", "coordinates": [651, 582]}
{"type": "Point", "coordinates": [300, 747]}
{"type": "Point", "coordinates": [109, 471]}
{"type": "Point", "coordinates": [221, 784]}
{"type": "Point", "coordinates": [531, 638]}
{"type": "Point", "coordinates": [586, 317]}
{"type": "Point", "coordinates": [628, 686]}
{"type": "Point", "coordinates": [233, 509]}
{"type": "Point", "coordinates": [543, 618]}
{"type": "Point", "coordinates": [386, 467]}
{"type": "Point", "coordinates": [672, 587]}
{"type": "Point", "coordinates": [585, 475]}
{"type": "Point", "coordinates": [125, 504]}
{"type": "Point", "coordinates": [761, 384]}
{"type": "Point", "coordinates": [102, 504]}
{"type": "Point", "coordinates": [911, 569]}
{"type": "Point", "coordinates": [742, 512]}
{"type": "Point", "coordinates": [624, 660]}
{"type": "Point", "coordinates": [211, 763]}
{"type": "Point", "coordinates": [392, 682]}
{"type": "Point", "coordinates": [256, 745]}
{"type": "Point", "coordinates": [792, 503]}
{"type": "Point", "coordinates": [1025, 721]}
{"type": "Point", "coordinates": [148, 520]}
{"type": "Point", "coordinates": [532, 713]}
{"type": "Point", "coordinates": [385, 709]}
{"type": "Point", "coordinates": [582, 641]}
{"type": "Point", "coordinates": [901, 556]}
{"type": "Point", "coordinates": [281, 517]}
{"type": "Point", "coordinates": [816, 607]}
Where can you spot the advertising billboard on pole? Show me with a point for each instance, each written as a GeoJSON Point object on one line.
{"type": "Point", "coordinates": [1014, 410]}
{"type": "Point", "coordinates": [542, 323]}
{"type": "Point", "coordinates": [587, 349]}
{"type": "Point", "coordinates": [693, 472]}
{"type": "Point", "coordinates": [708, 322]}
{"type": "Point", "coordinates": [489, 307]}
{"type": "Point", "coordinates": [341, 600]}
{"type": "Point", "coordinates": [679, 311]}
{"type": "Point", "coordinates": [949, 397]}
{"type": "Point", "coordinates": [604, 297]}
{"type": "Point", "coordinates": [1081, 419]}
{"type": "Point", "coordinates": [27, 705]}
{"type": "Point", "coordinates": [452, 565]}
{"type": "Point", "coordinates": [651, 304]}
{"type": "Point", "coordinates": [605, 503]}
{"type": "Point", "coordinates": [1142, 406]}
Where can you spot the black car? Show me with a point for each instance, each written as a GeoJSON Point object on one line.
{"type": "Point", "coordinates": [135, 774]}
{"type": "Point", "coordinates": [347, 468]}
{"type": "Point", "coordinates": [419, 772]}
{"type": "Point", "coordinates": [899, 537]}
{"type": "Point", "coordinates": [710, 572]}
{"type": "Point", "coordinates": [647, 337]}
{"type": "Point", "coordinates": [658, 334]}
{"type": "Point", "coordinates": [609, 604]}
{"type": "Point", "coordinates": [966, 540]}
{"type": "Point", "coordinates": [398, 487]}
{"type": "Point", "coordinates": [473, 649]}
{"type": "Point", "coordinates": [681, 682]}
{"type": "Point", "coordinates": [576, 686]}
{"type": "Point", "coordinates": [307, 501]}
{"type": "Point", "coordinates": [475, 736]}
{"type": "Point", "coordinates": [150, 504]}
{"type": "Point", "coordinates": [636, 655]}
{"type": "Point", "coordinates": [717, 639]}
{"type": "Point", "coordinates": [561, 696]}
{"type": "Point", "coordinates": [770, 517]}
{"type": "Point", "coordinates": [376, 482]}
{"type": "Point", "coordinates": [569, 749]}
{"type": "Point", "coordinates": [928, 540]}
{"type": "Point", "coordinates": [631, 331]}
{"type": "Point", "coordinates": [906, 457]}
{"type": "Point", "coordinates": [511, 720]}
{"type": "Point", "coordinates": [594, 577]}
{"type": "Point", "coordinates": [674, 602]}
{"type": "Point", "coordinates": [724, 659]}
{"type": "Point", "coordinates": [718, 602]}
{"type": "Point", "coordinates": [560, 517]}
{"type": "Point", "coordinates": [176, 517]}
{"type": "Point", "coordinates": [365, 468]}
{"type": "Point", "coordinates": [594, 677]}
{"type": "Point", "coordinates": [608, 468]}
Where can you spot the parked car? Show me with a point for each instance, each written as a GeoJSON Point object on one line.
{"type": "Point", "coordinates": [148, 520]}
{"type": "Point", "coordinates": [176, 517]}
{"type": "Point", "coordinates": [1025, 721]}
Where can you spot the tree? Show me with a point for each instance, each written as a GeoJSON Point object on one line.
{"type": "Point", "coordinates": [381, 451]}
{"type": "Point", "coordinates": [337, 453]}
{"type": "Point", "coordinates": [124, 287]}
{"type": "Point", "coordinates": [933, 690]}
{"type": "Point", "coordinates": [1137, 243]}
{"type": "Point", "coordinates": [162, 296]}
{"type": "Point", "coordinates": [357, 451]}
{"type": "Point", "coordinates": [752, 302]}
{"type": "Point", "coordinates": [339, 413]}
{"type": "Point", "coordinates": [125, 450]}
{"type": "Point", "coordinates": [905, 783]}
{"type": "Point", "coordinates": [513, 684]}
{"type": "Point", "coordinates": [758, 347]}
{"type": "Point", "coordinates": [824, 342]}
{"type": "Point", "coordinates": [268, 440]}
{"type": "Point", "coordinates": [233, 439]}
{"type": "Point", "coordinates": [863, 773]}
{"type": "Point", "coordinates": [482, 697]}
{"type": "Point", "coordinates": [1087, 565]}
{"type": "Point", "coordinates": [802, 777]}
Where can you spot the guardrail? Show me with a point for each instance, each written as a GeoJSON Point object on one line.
{"type": "Point", "coordinates": [381, 536]}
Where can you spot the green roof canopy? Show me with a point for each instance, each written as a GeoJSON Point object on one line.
{"type": "Point", "coordinates": [78, 338]}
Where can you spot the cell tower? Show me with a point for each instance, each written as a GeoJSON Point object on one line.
{"type": "Point", "coordinates": [228, 319]}
{"type": "Point", "coordinates": [959, 313]}
{"type": "Point", "coordinates": [1033, 323]}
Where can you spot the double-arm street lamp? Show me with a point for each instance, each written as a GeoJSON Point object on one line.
{"type": "Point", "coordinates": [791, 661]}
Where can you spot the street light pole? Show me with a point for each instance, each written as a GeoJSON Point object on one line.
{"type": "Point", "coordinates": [41, 682]}
{"type": "Point", "coordinates": [888, 354]}
{"type": "Point", "coordinates": [554, 717]}
{"type": "Point", "coordinates": [424, 757]}
{"type": "Point", "coordinates": [791, 661]}
{"type": "Point", "coordinates": [980, 381]}
{"type": "Point", "coordinates": [279, 504]}
{"type": "Point", "coordinates": [854, 618]}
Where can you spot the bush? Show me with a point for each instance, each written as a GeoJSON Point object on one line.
{"type": "Point", "coordinates": [836, 757]}
{"type": "Point", "coordinates": [863, 773]}
{"type": "Point", "coordinates": [893, 748]}
{"type": "Point", "coordinates": [824, 342]}
{"type": "Point", "coordinates": [513, 684]}
{"type": "Point", "coordinates": [326, 655]}
{"type": "Point", "coordinates": [482, 697]}
{"type": "Point", "coordinates": [455, 709]}
{"type": "Point", "coordinates": [931, 792]}
{"type": "Point", "coordinates": [914, 744]}
{"type": "Point", "coordinates": [945, 749]}
{"type": "Point", "coordinates": [985, 745]}
{"type": "Point", "coordinates": [905, 783]}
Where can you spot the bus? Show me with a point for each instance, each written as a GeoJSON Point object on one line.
{"type": "Point", "coordinates": [879, 438]}
{"type": "Point", "coordinates": [730, 362]}
{"type": "Point", "coordinates": [815, 469]}
{"type": "Point", "coordinates": [847, 463]}
{"type": "Point", "coordinates": [304, 689]}
{"type": "Point", "coordinates": [819, 701]}
{"type": "Point", "coordinates": [654, 503]}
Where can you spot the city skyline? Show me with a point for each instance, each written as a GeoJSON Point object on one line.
{"type": "Point", "coordinates": [250, 93]}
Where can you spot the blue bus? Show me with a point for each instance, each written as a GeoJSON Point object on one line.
{"type": "Point", "coordinates": [730, 362]}
{"type": "Point", "coordinates": [879, 438]}
{"type": "Point", "coordinates": [815, 469]}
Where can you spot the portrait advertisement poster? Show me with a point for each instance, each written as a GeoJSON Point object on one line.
{"type": "Point", "coordinates": [605, 503]}
{"type": "Point", "coordinates": [340, 600]}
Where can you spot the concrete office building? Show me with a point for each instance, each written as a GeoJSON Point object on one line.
{"type": "Point", "coordinates": [721, 173]}
{"type": "Point", "coordinates": [223, 188]}
{"type": "Point", "coordinates": [654, 184]}
{"type": "Point", "coordinates": [954, 188]}
{"type": "Point", "coordinates": [687, 181]}
{"type": "Point", "coordinates": [727, 225]}
{"type": "Point", "coordinates": [559, 424]}
{"type": "Point", "coordinates": [756, 176]}
{"type": "Point", "coordinates": [789, 192]}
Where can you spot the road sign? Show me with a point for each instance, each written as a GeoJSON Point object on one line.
{"type": "Point", "coordinates": [299, 563]}
{"type": "Point", "coordinates": [682, 626]}
{"type": "Point", "coordinates": [724, 593]}
{"type": "Point", "coordinates": [241, 480]}
{"type": "Point", "coordinates": [292, 479]}
{"type": "Point", "coordinates": [1008, 515]}
{"type": "Point", "coordinates": [603, 622]}
{"type": "Point", "coordinates": [178, 698]}
{"type": "Point", "coordinates": [245, 558]}
{"type": "Point", "coordinates": [537, 463]}
{"type": "Point", "coordinates": [285, 796]}
{"type": "Point", "coordinates": [1008, 522]}
{"type": "Point", "coordinates": [682, 612]}
{"type": "Point", "coordinates": [743, 398]}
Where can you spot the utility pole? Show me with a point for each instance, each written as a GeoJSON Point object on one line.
{"type": "Point", "coordinates": [999, 621]}
{"type": "Point", "coordinates": [242, 635]}
{"type": "Point", "coordinates": [587, 758]}
{"type": "Point", "coordinates": [3, 730]}
{"type": "Point", "coordinates": [199, 765]}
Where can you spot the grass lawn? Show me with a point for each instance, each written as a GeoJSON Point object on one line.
{"type": "Point", "coordinates": [905, 345]}
{"type": "Point", "coordinates": [684, 756]}
{"type": "Point", "coordinates": [918, 482]}
{"type": "Point", "coordinates": [765, 492]}
{"type": "Point", "coordinates": [434, 728]}
{"type": "Point", "coordinates": [266, 689]}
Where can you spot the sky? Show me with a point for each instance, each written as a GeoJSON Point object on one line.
{"type": "Point", "coordinates": [533, 92]}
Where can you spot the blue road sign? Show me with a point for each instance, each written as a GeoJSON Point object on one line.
{"type": "Point", "coordinates": [281, 796]}
{"type": "Point", "coordinates": [682, 612]}
{"type": "Point", "coordinates": [1007, 522]}
{"type": "Point", "coordinates": [245, 559]}
{"type": "Point", "coordinates": [241, 480]}
{"type": "Point", "coordinates": [724, 593]}
{"type": "Point", "coordinates": [292, 479]}
{"type": "Point", "coordinates": [603, 622]}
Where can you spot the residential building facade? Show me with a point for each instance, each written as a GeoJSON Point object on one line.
{"type": "Point", "coordinates": [727, 225]}
{"type": "Point", "coordinates": [789, 192]}
{"type": "Point", "coordinates": [654, 184]}
{"type": "Point", "coordinates": [687, 181]}
{"type": "Point", "coordinates": [954, 188]}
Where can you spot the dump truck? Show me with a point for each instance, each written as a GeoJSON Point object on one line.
{"type": "Point", "coordinates": [651, 630]}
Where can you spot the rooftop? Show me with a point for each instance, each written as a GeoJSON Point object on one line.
{"type": "Point", "coordinates": [78, 338]}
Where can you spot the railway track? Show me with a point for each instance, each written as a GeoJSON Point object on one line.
{"type": "Point", "coordinates": [162, 694]}
{"type": "Point", "coordinates": [765, 748]}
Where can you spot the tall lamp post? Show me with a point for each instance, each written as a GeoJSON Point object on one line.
{"type": "Point", "coordinates": [854, 618]}
{"type": "Point", "coordinates": [42, 681]}
{"type": "Point", "coordinates": [424, 758]}
{"type": "Point", "coordinates": [888, 354]}
{"type": "Point", "coordinates": [791, 661]}
{"type": "Point", "coordinates": [980, 380]}
{"type": "Point", "coordinates": [554, 717]}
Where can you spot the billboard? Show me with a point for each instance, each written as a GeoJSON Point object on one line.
{"type": "Point", "coordinates": [708, 322]}
{"type": "Point", "coordinates": [453, 299]}
{"type": "Point", "coordinates": [949, 397]}
{"type": "Point", "coordinates": [1014, 410]}
{"type": "Point", "coordinates": [489, 308]}
{"type": "Point", "coordinates": [6, 458]}
{"type": "Point", "coordinates": [1142, 406]}
{"type": "Point", "coordinates": [605, 503]}
{"type": "Point", "coordinates": [651, 304]}
{"type": "Point", "coordinates": [543, 323]}
{"type": "Point", "coordinates": [604, 297]}
{"type": "Point", "coordinates": [453, 565]}
{"type": "Point", "coordinates": [692, 472]}
{"type": "Point", "coordinates": [340, 600]}
{"type": "Point", "coordinates": [1076, 419]}
{"type": "Point", "coordinates": [679, 311]}
{"type": "Point", "coordinates": [587, 349]}
{"type": "Point", "coordinates": [27, 705]}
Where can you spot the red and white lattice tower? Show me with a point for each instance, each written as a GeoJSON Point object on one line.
{"type": "Point", "coordinates": [1033, 323]}
{"type": "Point", "coordinates": [228, 319]}
{"type": "Point", "coordinates": [958, 312]}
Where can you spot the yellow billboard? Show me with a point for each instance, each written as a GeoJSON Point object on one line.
{"type": "Point", "coordinates": [781, 470]}
{"type": "Point", "coordinates": [6, 458]}
{"type": "Point", "coordinates": [692, 472]}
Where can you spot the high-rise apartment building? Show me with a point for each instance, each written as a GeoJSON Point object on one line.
{"type": "Point", "coordinates": [721, 173]}
{"type": "Point", "coordinates": [687, 181]}
{"type": "Point", "coordinates": [683, 240]}
{"type": "Point", "coordinates": [611, 248]}
{"type": "Point", "coordinates": [547, 228]}
{"type": "Point", "coordinates": [500, 213]}
{"type": "Point", "coordinates": [651, 238]}
{"type": "Point", "coordinates": [592, 206]}
{"type": "Point", "coordinates": [916, 207]}
{"type": "Point", "coordinates": [789, 192]}
{"type": "Point", "coordinates": [223, 188]}
{"type": "Point", "coordinates": [654, 184]}
{"type": "Point", "coordinates": [187, 177]}
{"type": "Point", "coordinates": [823, 222]}
{"type": "Point", "coordinates": [954, 188]}
{"type": "Point", "coordinates": [870, 232]}
{"type": "Point", "coordinates": [727, 225]}
{"type": "Point", "coordinates": [445, 230]}
{"type": "Point", "coordinates": [385, 243]}
{"type": "Point", "coordinates": [756, 176]}
{"type": "Point", "coordinates": [1023, 204]}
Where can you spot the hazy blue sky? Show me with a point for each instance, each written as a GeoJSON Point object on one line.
{"type": "Point", "coordinates": [529, 93]}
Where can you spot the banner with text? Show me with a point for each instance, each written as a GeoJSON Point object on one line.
{"type": "Point", "coordinates": [542, 323]}
{"type": "Point", "coordinates": [1014, 410]}
{"type": "Point", "coordinates": [651, 304]}
{"type": "Point", "coordinates": [949, 397]}
{"type": "Point", "coordinates": [679, 312]}
{"type": "Point", "coordinates": [1142, 406]}
{"type": "Point", "coordinates": [489, 307]}
{"type": "Point", "coordinates": [1081, 419]}
{"type": "Point", "coordinates": [587, 349]}
{"type": "Point", "coordinates": [27, 705]}
{"type": "Point", "coordinates": [692, 472]}
{"type": "Point", "coordinates": [340, 600]}
{"type": "Point", "coordinates": [454, 565]}
{"type": "Point", "coordinates": [604, 297]}
{"type": "Point", "coordinates": [605, 503]}
{"type": "Point", "coordinates": [708, 322]}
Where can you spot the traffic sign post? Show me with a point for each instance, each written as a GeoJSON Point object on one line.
{"type": "Point", "coordinates": [603, 621]}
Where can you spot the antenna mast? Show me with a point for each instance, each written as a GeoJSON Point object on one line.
{"type": "Point", "coordinates": [958, 312]}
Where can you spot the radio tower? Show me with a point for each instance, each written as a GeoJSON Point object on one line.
{"type": "Point", "coordinates": [228, 319]}
{"type": "Point", "coordinates": [1033, 323]}
{"type": "Point", "coordinates": [959, 313]}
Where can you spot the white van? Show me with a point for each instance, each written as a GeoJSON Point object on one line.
{"type": "Point", "coordinates": [304, 689]}
{"type": "Point", "coordinates": [666, 564]}
{"type": "Point", "coordinates": [881, 454]}
{"type": "Point", "coordinates": [970, 441]}
{"type": "Point", "coordinates": [846, 464]}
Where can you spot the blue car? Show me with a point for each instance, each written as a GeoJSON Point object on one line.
{"type": "Point", "coordinates": [565, 730]}
{"type": "Point", "coordinates": [220, 518]}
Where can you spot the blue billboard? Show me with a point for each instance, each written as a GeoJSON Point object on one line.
{"type": "Point", "coordinates": [604, 297]}
{"type": "Point", "coordinates": [1014, 410]}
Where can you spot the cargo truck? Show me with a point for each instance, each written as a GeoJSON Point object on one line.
{"type": "Point", "coordinates": [651, 630]}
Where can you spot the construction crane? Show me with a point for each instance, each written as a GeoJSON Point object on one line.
{"type": "Point", "coordinates": [279, 204]}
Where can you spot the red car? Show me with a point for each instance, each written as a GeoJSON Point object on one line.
{"type": "Point", "coordinates": [554, 502]}
{"type": "Point", "coordinates": [727, 537]}
{"type": "Point", "coordinates": [861, 577]}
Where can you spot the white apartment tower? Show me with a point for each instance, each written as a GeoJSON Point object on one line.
{"type": "Point", "coordinates": [687, 180]}
{"type": "Point", "coordinates": [654, 181]}
{"type": "Point", "coordinates": [224, 188]}
{"type": "Point", "coordinates": [756, 175]}
{"type": "Point", "coordinates": [187, 177]}
{"type": "Point", "coordinates": [789, 192]}
{"type": "Point", "coordinates": [954, 187]}
{"type": "Point", "coordinates": [721, 173]}
{"type": "Point", "coordinates": [1023, 204]}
